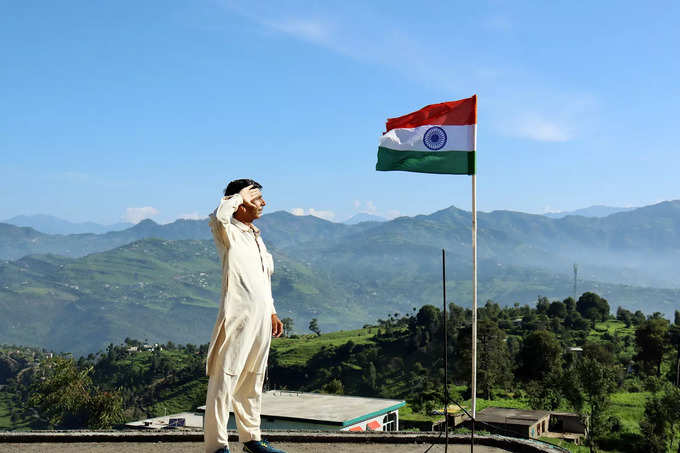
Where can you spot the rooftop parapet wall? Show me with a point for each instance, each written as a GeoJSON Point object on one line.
{"type": "Point", "coordinates": [122, 437]}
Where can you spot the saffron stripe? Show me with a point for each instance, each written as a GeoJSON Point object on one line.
{"type": "Point", "coordinates": [454, 113]}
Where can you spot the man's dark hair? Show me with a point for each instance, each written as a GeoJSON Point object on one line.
{"type": "Point", "coordinates": [236, 185]}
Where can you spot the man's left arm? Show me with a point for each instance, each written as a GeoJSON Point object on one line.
{"type": "Point", "coordinates": [277, 325]}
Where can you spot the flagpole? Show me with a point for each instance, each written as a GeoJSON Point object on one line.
{"type": "Point", "coordinates": [474, 307]}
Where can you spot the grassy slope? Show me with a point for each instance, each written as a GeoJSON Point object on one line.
{"type": "Point", "coordinates": [5, 421]}
{"type": "Point", "coordinates": [628, 407]}
{"type": "Point", "coordinates": [185, 398]}
{"type": "Point", "coordinates": [611, 327]}
{"type": "Point", "coordinates": [297, 351]}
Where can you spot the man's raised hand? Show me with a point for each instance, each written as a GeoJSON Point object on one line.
{"type": "Point", "coordinates": [277, 326]}
{"type": "Point", "coordinates": [249, 194]}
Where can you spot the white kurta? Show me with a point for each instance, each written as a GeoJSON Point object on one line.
{"type": "Point", "coordinates": [239, 346]}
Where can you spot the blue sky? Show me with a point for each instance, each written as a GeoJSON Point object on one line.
{"type": "Point", "coordinates": [121, 110]}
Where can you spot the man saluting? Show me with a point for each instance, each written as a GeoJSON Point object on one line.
{"type": "Point", "coordinates": [239, 346]}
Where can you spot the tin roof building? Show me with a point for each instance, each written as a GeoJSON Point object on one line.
{"type": "Point", "coordinates": [283, 410]}
{"type": "Point", "coordinates": [507, 421]}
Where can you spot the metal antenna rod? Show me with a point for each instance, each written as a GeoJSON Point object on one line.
{"type": "Point", "coordinates": [446, 356]}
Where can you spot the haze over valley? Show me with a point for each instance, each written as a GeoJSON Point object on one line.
{"type": "Point", "coordinates": [161, 282]}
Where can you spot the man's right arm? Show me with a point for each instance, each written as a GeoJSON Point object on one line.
{"type": "Point", "coordinates": [221, 218]}
{"type": "Point", "coordinates": [228, 207]}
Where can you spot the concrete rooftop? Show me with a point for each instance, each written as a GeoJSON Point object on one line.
{"type": "Point", "coordinates": [337, 409]}
{"type": "Point", "coordinates": [174, 441]}
{"type": "Point", "coordinates": [192, 420]}
{"type": "Point", "coordinates": [194, 447]}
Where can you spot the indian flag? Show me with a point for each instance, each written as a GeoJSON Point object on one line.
{"type": "Point", "coordinates": [439, 138]}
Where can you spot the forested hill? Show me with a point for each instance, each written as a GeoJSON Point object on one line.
{"type": "Point", "coordinates": [638, 247]}
{"type": "Point", "coordinates": [620, 374]}
{"type": "Point", "coordinates": [17, 242]}
{"type": "Point", "coordinates": [167, 289]}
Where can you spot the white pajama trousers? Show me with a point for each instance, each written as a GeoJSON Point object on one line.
{"type": "Point", "coordinates": [240, 392]}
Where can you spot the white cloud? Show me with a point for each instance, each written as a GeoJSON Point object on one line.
{"type": "Point", "coordinates": [327, 215]}
{"type": "Point", "coordinates": [553, 112]}
{"type": "Point", "coordinates": [547, 115]}
{"type": "Point", "coordinates": [322, 214]}
{"type": "Point", "coordinates": [361, 32]}
{"type": "Point", "coordinates": [538, 128]}
{"type": "Point", "coordinates": [370, 207]}
{"type": "Point", "coordinates": [136, 215]}
{"type": "Point", "coordinates": [310, 30]}
{"type": "Point", "coordinates": [366, 207]}
{"type": "Point", "coordinates": [192, 216]}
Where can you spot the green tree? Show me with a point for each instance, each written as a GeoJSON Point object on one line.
{"type": "Point", "coordinates": [575, 321]}
{"type": "Point", "coordinates": [624, 316]}
{"type": "Point", "coordinates": [547, 393]}
{"type": "Point", "coordinates": [540, 355]}
{"type": "Point", "coordinates": [66, 397]}
{"type": "Point", "coordinates": [494, 369]}
{"type": "Point", "coordinates": [333, 387]}
{"type": "Point", "coordinates": [491, 311]}
{"type": "Point", "coordinates": [557, 309]}
{"type": "Point", "coordinates": [600, 352]}
{"type": "Point", "coordinates": [314, 326]}
{"type": "Point", "coordinates": [638, 318]}
{"type": "Point", "coordinates": [661, 419]}
{"type": "Point", "coordinates": [651, 341]}
{"type": "Point", "coordinates": [542, 305]}
{"type": "Point", "coordinates": [674, 335]}
{"type": "Point", "coordinates": [287, 326]}
{"type": "Point", "coordinates": [428, 317]}
{"type": "Point", "coordinates": [595, 381]}
{"type": "Point", "coordinates": [593, 307]}
{"type": "Point", "coordinates": [371, 377]}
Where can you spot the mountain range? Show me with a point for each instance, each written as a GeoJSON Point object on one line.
{"type": "Point", "coordinates": [591, 211]}
{"type": "Point", "coordinates": [79, 292]}
{"type": "Point", "coordinates": [364, 217]}
{"type": "Point", "coordinates": [53, 225]}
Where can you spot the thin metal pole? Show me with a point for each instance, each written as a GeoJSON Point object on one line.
{"type": "Point", "coordinates": [446, 356]}
{"type": "Point", "coordinates": [474, 309]}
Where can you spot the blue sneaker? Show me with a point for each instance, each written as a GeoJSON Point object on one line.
{"type": "Point", "coordinates": [260, 446]}
{"type": "Point", "coordinates": [222, 450]}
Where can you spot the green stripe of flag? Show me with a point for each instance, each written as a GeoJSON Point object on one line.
{"type": "Point", "coordinates": [448, 162]}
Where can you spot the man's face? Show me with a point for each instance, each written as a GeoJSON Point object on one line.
{"type": "Point", "coordinates": [254, 212]}
{"type": "Point", "coordinates": [260, 204]}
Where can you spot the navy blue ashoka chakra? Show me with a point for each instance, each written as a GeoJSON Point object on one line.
{"type": "Point", "coordinates": [434, 138]}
